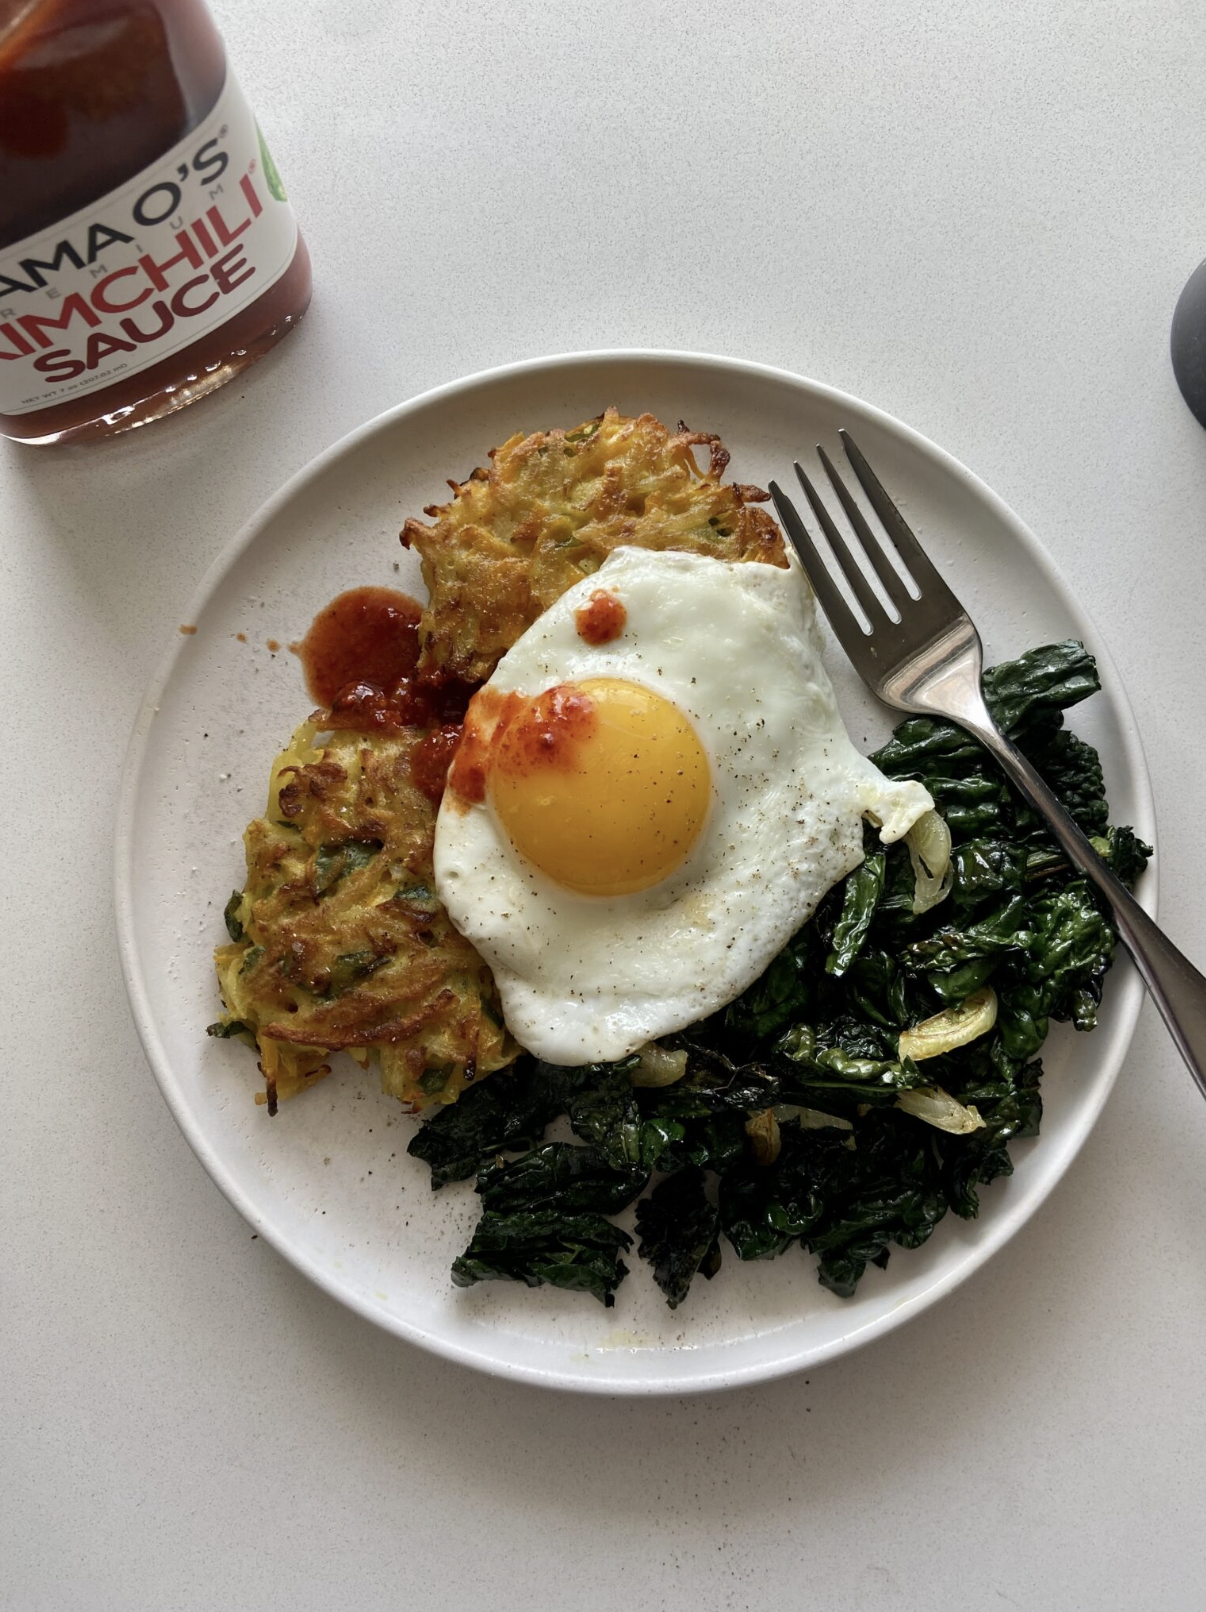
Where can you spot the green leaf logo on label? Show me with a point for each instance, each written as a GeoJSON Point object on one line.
{"type": "Point", "coordinates": [271, 176]}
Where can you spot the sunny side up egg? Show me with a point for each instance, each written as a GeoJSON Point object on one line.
{"type": "Point", "coordinates": [653, 792]}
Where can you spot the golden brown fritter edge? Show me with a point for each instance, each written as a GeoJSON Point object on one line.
{"type": "Point", "coordinates": [550, 508]}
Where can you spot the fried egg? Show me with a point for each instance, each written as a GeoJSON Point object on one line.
{"type": "Point", "coordinates": [653, 792]}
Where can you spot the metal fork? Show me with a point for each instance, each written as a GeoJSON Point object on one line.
{"type": "Point", "coordinates": [930, 662]}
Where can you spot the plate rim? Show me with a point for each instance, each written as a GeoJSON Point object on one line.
{"type": "Point", "coordinates": [1128, 988]}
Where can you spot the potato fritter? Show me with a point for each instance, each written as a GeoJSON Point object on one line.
{"type": "Point", "coordinates": [338, 940]}
{"type": "Point", "coordinates": [549, 510]}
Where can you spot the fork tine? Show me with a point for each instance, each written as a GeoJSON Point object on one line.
{"type": "Point", "coordinates": [880, 563]}
{"type": "Point", "coordinates": [847, 564]}
{"type": "Point", "coordinates": [841, 617]}
{"type": "Point", "coordinates": [916, 560]}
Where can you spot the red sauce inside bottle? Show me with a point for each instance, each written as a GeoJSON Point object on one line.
{"type": "Point", "coordinates": [91, 93]}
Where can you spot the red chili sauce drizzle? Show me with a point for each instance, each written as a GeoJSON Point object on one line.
{"type": "Point", "coordinates": [365, 636]}
{"type": "Point", "coordinates": [431, 758]}
{"type": "Point", "coordinates": [489, 714]}
{"type": "Point", "coordinates": [359, 659]}
{"type": "Point", "coordinates": [520, 734]}
{"type": "Point", "coordinates": [412, 702]}
{"type": "Point", "coordinates": [545, 736]}
{"type": "Point", "coordinates": [601, 620]}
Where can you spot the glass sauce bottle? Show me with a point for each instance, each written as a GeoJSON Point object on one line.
{"type": "Point", "coordinates": [148, 252]}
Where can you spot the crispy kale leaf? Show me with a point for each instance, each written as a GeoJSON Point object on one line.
{"type": "Point", "coordinates": [558, 1175]}
{"type": "Point", "coordinates": [604, 1112]}
{"type": "Point", "coordinates": [863, 890]}
{"type": "Point", "coordinates": [507, 1113]}
{"type": "Point", "coordinates": [580, 1252]}
{"type": "Point", "coordinates": [1040, 685]}
{"type": "Point", "coordinates": [678, 1225]}
{"type": "Point", "coordinates": [1125, 852]}
{"type": "Point", "coordinates": [1072, 769]}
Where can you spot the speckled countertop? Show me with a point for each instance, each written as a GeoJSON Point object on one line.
{"type": "Point", "coordinates": [977, 217]}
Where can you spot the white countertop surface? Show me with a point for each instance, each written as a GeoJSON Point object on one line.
{"type": "Point", "coordinates": [978, 217]}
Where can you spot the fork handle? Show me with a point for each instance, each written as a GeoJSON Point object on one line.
{"type": "Point", "coordinates": [1176, 986]}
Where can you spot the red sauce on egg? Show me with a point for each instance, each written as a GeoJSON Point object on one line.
{"type": "Point", "coordinates": [603, 619]}
{"type": "Point", "coordinates": [520, 734]}
{"type": "Point", "coordinates": [545, 736]}
{"type": "Point", "coordinates": [367, 637]}
{"type": "Point", "coordinates": [488, 716]}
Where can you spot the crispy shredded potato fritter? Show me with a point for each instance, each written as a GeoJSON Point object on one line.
{"type": "Point", "coordinates": [344, 946]}
{"type": "Point", "coordinates": [549, 510]}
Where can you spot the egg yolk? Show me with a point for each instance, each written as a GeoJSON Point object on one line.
{"type": "Point", "coordinates": [602, 784]}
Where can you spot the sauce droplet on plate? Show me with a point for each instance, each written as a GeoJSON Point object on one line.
{"type": "Point", "coordinates": [368, 635]}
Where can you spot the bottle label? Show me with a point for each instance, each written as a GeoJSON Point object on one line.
{"type": "Point", "coordinates": [143, 272]}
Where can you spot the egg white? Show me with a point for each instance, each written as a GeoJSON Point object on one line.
{"type": "Point", "coordinates": [736, 648]}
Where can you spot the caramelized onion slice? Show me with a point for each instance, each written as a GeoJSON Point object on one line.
{"type": "Point", "coordinates": [929, 843]}
{"type": "Point", "coordinates": [953, 1027]}
{"type": "Point", "coordinates": [763, 1131]}
{"type": "Point", "coordinates": [811, 1119]}
{"type": "Point", "coordinates": [938, 1108]}
{"type": "Point", "coordinates": [658, 1066]}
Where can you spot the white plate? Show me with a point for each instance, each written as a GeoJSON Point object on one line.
{"type": "Point", "coordinates": [328, 1181]}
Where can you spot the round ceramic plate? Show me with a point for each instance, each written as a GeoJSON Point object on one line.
{"type": "Point", "coordinates": [328, 1181]}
